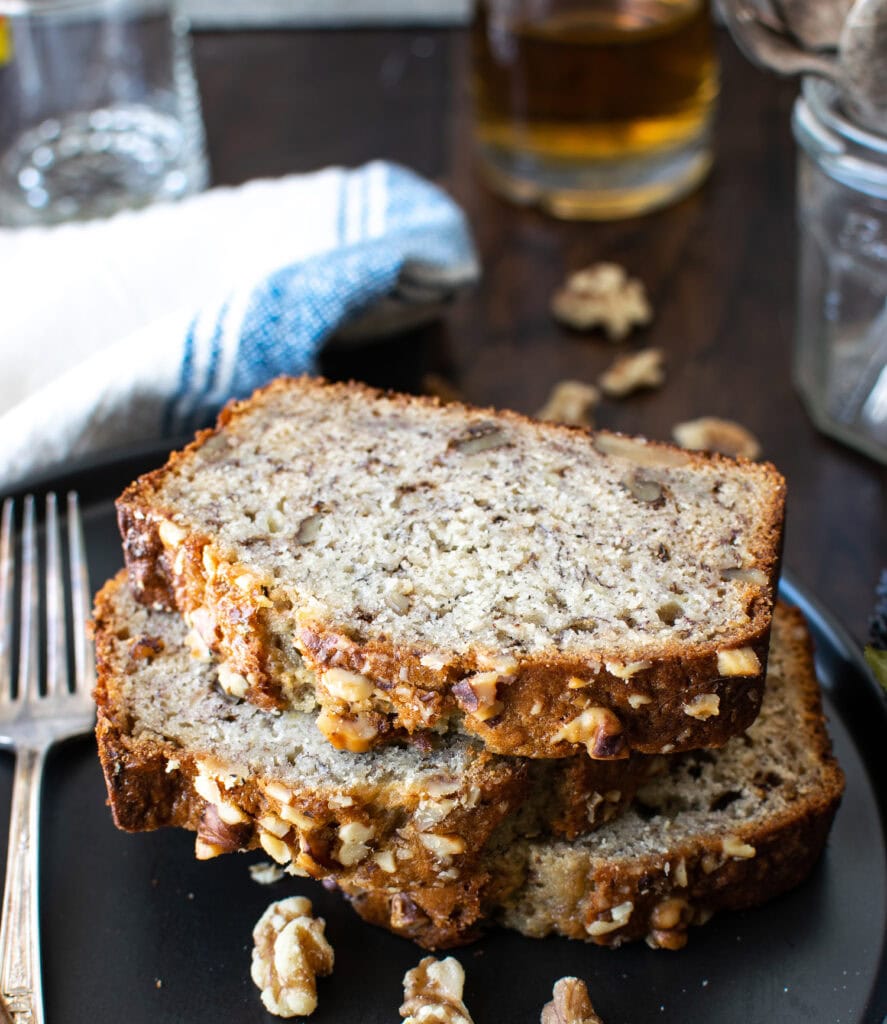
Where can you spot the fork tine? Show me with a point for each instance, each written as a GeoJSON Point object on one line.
{"type": "Point", "coordinates": [28, 666]}
{"type": "Point", "coordinates": [7, 577]}
{"type": "Point", "coordinates": [84, 659]}
{"type": "Point", "coordinates": [56, 645]}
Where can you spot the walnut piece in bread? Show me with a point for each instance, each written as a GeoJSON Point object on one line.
{"type": "Point", "coordinates": [602, 295]}
{"type": "Point", "coordinates": [570, 1004]}
{"type": "Point", "coordinates": [432, 993]}
{"type": "Point", "coordinates": [289, 951]}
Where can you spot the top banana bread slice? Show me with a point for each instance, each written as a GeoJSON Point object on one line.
{"type": "Point", "coordinates": [409, 566]}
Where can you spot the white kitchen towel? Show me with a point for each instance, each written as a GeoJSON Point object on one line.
{"type": "Point", "coordinates": [142, 325]}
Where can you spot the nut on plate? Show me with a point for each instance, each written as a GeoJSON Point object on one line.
{"type": "Point", "coordinates": [633, 372]}
{"type": "Point", "coordinates": [432, 993]}
{"type": "Point", "coordinates": [708, 433]}
{"type": "Point", "coordinates": [289, 951]}
{"type": "Point", "coordinates": [604, 296]}
{"type": "Point", "coordinates": [265, 872]}
{"type": "Point", "coordinates": [570, 1004]}
{"type": "Point", "coordinates": [570, 402]}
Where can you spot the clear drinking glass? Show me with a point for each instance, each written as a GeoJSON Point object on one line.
{"type": "Point", "coordinates": [840, 364]}
{"type": "Point", "coordinates": [594, 108]}
{"type": "Point", "coordinates": [99, 109]}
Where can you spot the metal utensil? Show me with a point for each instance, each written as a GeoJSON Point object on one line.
{"type": "Point", "coordinates": [33, 718]}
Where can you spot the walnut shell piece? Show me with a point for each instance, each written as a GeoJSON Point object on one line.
{"type": "Point", "coordinates": [602, 295]}
{"type": "Point", "coordinates": [289, 951]}
{"type": "Point", "coordinates": [432, 993]}
{"type": "Point", "coordinates": [570, 1004]}
{"type": "Point", "coordinates": [708, 433]}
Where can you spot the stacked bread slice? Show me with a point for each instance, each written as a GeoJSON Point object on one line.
{"type": "Point", "coordinates": [448, 658]}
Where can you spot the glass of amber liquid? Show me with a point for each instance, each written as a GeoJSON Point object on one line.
{"type": "Point", "coordinates": [594, 109]}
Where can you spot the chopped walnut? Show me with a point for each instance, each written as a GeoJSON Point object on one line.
{"type": "Point", "coordinates": [602, 295]}
{"type": "Point", "coordinates": [289, 951]}
{"type": "Point", "coordinates": [715, 435]}
{"type": "Point", "coordinates": [599, 729]}
{"type": "Point", "coordinates": [570, 1004]}
{"type": "Point", "coordinates": [432, 993]}
{"type": "Point", "coordinates": [632, 372]}
{"type": "Point", "coordinates": [348, 732]}
{"type": "Point", "coordinates": [265, 873]}
{"type": "Point", "coordinates": [571, 402]}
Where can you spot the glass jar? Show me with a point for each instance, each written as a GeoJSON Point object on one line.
{"type": "Point", "coordinates": [594, 109]}
{"type": "Point", "coordinates": [99, 109]}
{"type": "Point", "coordinates": [840, 362]}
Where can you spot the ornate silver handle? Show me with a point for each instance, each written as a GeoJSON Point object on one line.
{"type": "Point", "coordinates": [20, 989]}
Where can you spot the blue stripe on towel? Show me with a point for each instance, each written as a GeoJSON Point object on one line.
{"type": "Point", "coordinates": [296, 308]}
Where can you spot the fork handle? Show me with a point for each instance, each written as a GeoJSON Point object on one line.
{"type": "Point", "coordinates": [20, 986]}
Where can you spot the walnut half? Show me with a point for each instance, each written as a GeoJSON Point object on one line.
{"type": "Point", "coordinates": [570, 1004]}
{"type": "Point", "coordinates": [289, 951]}
{"type": "Point", "coordinates": [571, 402]}
{"type": "Point", "coordinates": [602, 295]}
{"type": "Point", "coordinates": [432, 993]}
{"type": "Point", "coordinates": [716, 435]}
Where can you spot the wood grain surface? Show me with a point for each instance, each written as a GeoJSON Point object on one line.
{"type": "Point", "coordinates": [719, 266]}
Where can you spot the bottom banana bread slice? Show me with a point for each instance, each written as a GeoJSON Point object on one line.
{"type": "Point", "coordinates": [176, 749]}
{"type": "Point", "coordinates": [718, 830]}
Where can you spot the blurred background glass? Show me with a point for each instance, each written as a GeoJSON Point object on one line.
{"type": "Point", "coordinates": [841, 344]}
{"type": "Point", "coordinates": [99, 109]}
{"type": "Point", "coordinates": [594, 108]}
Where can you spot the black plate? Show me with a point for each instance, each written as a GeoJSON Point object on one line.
{"type": "Point", "coordinates": [135, 929]}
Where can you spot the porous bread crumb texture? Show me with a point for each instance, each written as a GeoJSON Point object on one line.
{"type": "Point", "coordinates": [178, 750]}
{"type": "Point", "coordinates": [717, 830]}
{"type": "Point", "coordinates": [413, 544]}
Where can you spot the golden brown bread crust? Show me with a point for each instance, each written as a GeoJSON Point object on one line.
{"type": "Point", "coordinates": [153, 783]}
{"type": "Point", "coordinates": [646, 711]}
{"type": "Point", "coordinates": [546, 887]}
{"type": "Point", "coordinates": [785, 855]}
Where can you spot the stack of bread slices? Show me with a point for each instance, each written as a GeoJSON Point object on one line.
{"type": "Point", "coordinates": [469, 667]}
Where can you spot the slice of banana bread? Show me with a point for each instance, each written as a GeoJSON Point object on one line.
{"type": "Point", "coordinates": [409, 566]}
{"type": "Point", "coordinates": [718, 830]}
{"type": "Point", "coordinates": [176, 749]}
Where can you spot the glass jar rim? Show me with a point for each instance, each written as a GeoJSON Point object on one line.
{"type": "Point", "coordinates": [823, 99]}
{"type": "Point", "coordinates": [852, 155]}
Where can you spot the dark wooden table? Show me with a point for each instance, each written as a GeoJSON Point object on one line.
{"type": "Point", "coordinates": [719, 267]}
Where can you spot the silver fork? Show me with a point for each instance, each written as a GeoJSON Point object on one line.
{"type": "Point", "coordinates": [31, 721]}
